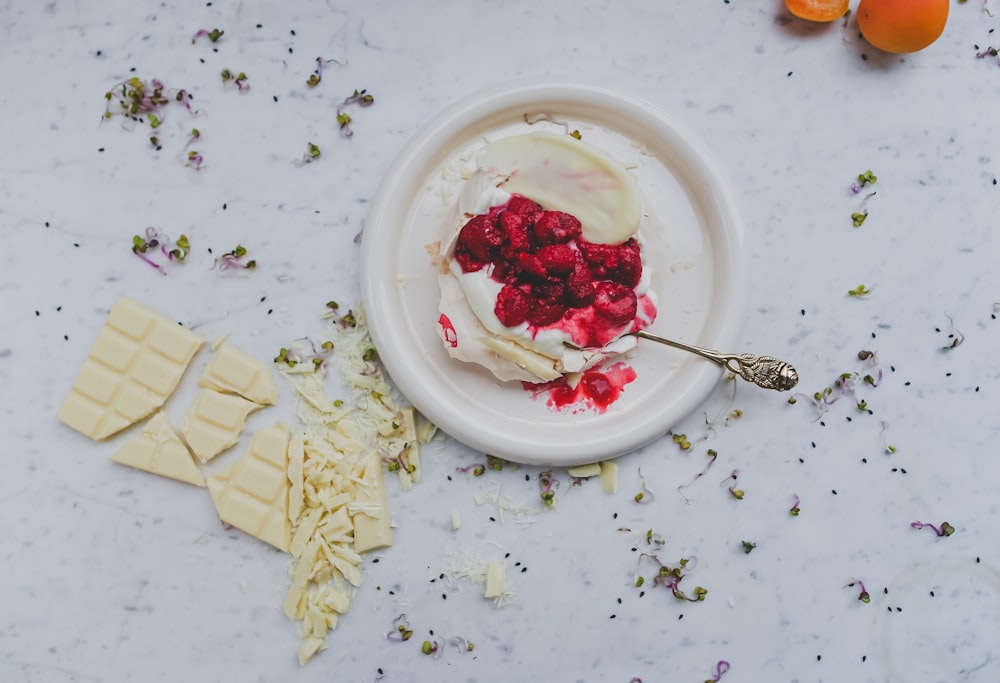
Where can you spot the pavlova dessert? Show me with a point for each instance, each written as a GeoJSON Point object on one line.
{"type": "Point", "coordinates": [542, 272]}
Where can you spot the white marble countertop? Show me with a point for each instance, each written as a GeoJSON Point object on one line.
{"type": "Point", "coordinates": [110, 574]}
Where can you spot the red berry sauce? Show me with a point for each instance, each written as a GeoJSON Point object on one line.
{"type": "Point", "coordinates": [597, 390]}
{"type": "Point", "coordinates": [448, 330]}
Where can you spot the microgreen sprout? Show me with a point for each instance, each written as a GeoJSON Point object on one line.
{"type": "Point", "coordinates": [861, 215]}
{"type": "Point", "coordinates": [316, 76]}
{"type": "Point", "coordinates": [713, 455]}
{"type": "Point", "coordinates": [195, 160]}
{"type": "Point", "coordinates": [141, 247]}
{"type": "Point", "coordinates": [682, 441]}
{"type": "Point", "coordinates": [989, 52]}
{"type": "Point", "coordinates": [944, 530]}
{"type": "Point", "coordinates": [400, 630]}
{"type": "Point", "coordinates": [860, 291]}
{"type": "Point", "coordinates": [180, 249]}
{"type": "Point", "coordinates": [721, 668]}
{"type": "Point", "coordinates": [239, 79]}
{"type": "Point", "coordinates": [360, 98]}
{"type": "Point", "coordinates": [547, 485]}
{"type": "Point", "coordinates": [794, 510]}
{"type": "Point", "coordinates": [889, 448]}
{"type": "Point", "coordinates": [476, 470]}
{"type": "Point", "coordinates": [312, 154]}
{"type": "Point", "coordinates": [957, 338]}
{"type": "Point", "coordinates": [733, 491]}
{"type": "Point", "coordinates": [494, 463]}
{"type": "Point", "coordinates": [864, 179]}
{"type": "Point", "coordinates": [212, 35]}
{"type": "Point", "coordinates": [432, 647]}
{"type": "Point", "coordinates": [532, 119]}
{"type": "Point", "coordinates": [646, 494]}
{"type": "Point", "coordinates": [345, 320]}
{"type": "Point", "coordinates": [748, 546]}
{"type": "Point", "coordinates": [233, 260]}
{"type": "Point", "coordinates": [461, 644]}
{"type": "Point", "coordinates": [863, 595]}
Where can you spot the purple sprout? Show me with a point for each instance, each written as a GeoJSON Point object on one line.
{"type": "Point", "coordinates": [360, 98]}
{"type": "Point", "coordinates": [461, 644]}
{"type": "Point", "coordinates": [794, 510]}
{"type": "Point", "coordinates": [400, 630]}
{"type": "Point", "coordinates": [212, 35]}
{"type": "Point", "coordinates": [195, 160]}
{"type": "Point", "coordinates": [713, 455]}
{"type": "Point", "coordinates": [863, 595]}
{"type": "Point", "coordinates": [989, 52]}
{"type": "Point", "coordinates": [944, 530]}
{"type": "Point", "coordinates": [153, 239]}
{"type": "Point", "coordinates": [233, 260]}
{"type": "Point", "coordinates": [547, 485]}
{"type": "Point", "coordinates": [721, 668]}
{"type": "Point", "coordinates": [477, 469]}
{"type": "Point", "coordinates": [317, 76]}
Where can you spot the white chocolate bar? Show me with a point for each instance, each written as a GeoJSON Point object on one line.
{"type": "Point", "coordinates": [134, 365]}
{"type": "Point", "coordinates": [214, 422]}
{"type": "Point", "coordinates": [158, 449]}
{"type": "Point", "coordinates": [235, 372]}
{"type": "Point", "coordinates": [252, 495]}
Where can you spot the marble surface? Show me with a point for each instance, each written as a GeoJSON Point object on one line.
{"type": "Point", "coordinates": [110, 574]}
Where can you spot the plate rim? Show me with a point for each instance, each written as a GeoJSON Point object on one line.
{"type": "Point", "coordinates": [720, 330]}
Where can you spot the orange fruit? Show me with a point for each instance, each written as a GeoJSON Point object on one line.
{"type": "Point", "coordinates": [902, 25]}
{"type": "Point", "coordinates": [817, 10]}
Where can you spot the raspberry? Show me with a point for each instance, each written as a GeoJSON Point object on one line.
{"type": "Point", "coordinates": [512, 306]}
{"type": "Point", "coordinates": [615, 302]}
{"type": "Point", "coordinates": [556, 227]}
{"type": "Point", "coordinates": [468, 262]}
{"type": "Point", "coordinates": [516, 240]}
{"type": "Point", "coordinates": [558, 259]}
{"type": "Point", "coordinates": [523, 206]}
{"type": "Point", "coordinates": [580, 286]}
{"type": "Point", "coordinates": [480, 238]}
{"type": "Point", "coordinates": [629, 264]}
{"type": "Point", "coordinates": [552, 290]}
{"type": "Point", "coordinates": [544, 312]}
{"type": "Point", "coordinates": [620, 263]}
{"type": "Point", "coordinates": [530, 266]}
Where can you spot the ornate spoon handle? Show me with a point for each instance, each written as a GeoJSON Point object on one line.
{"type": "Point", "coordinates": [764, 371]}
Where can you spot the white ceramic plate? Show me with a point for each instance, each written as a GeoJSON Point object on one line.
{"type": "Point", "coordinates": [697, 260]}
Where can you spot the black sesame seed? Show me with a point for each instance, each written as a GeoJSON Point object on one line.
{"type": "Point", "coordinates": [275, 98]}
{"type": "Point", "coordinates": [612, 616]}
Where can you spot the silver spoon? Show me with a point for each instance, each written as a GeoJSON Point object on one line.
{"type": "Point", "coordinates": [764, 371]}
